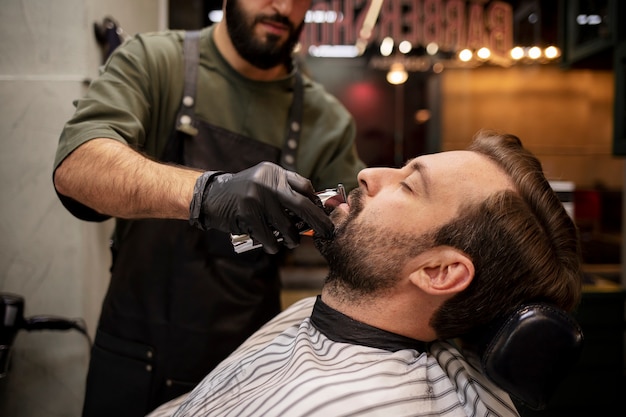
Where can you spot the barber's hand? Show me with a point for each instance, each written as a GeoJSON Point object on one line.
{"type": "Point", "coordinates": [256, 202]}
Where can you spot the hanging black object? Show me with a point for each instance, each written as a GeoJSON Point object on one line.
{"type": "Point", "coordinates": [109, 36]}
{"type": "Point", "coordinates": [12, 320]}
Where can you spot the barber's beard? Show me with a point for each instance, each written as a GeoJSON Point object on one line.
{"type": "Point", "coordinates": [262, 53]}
{"type": "Point", "coordinates": [366, 259]}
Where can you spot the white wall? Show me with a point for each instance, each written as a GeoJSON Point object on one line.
{"type": "Point", "coordinates": [56, 262]}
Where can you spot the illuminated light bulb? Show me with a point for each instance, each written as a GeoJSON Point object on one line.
{"type": "Point", "coordinates": [517, 53]}
{"type": "Point", "coordinates": [331, 16]}
{"type": "Point", "coordinates": [432, 48]}
{"type": "Point", "coordinates": [552, 52]}
{"type": "Point", "coordinates": [397, 74]}
{"type": "Point", "coordinates": [216, 16]}
{"type": "Point", "coordinates": [334, 51]}
{"type": "Point", "coordinates": [316, 16]}
{"type": "Point", "coordinates": [483, 53]}
{"type": "Point", "coordinates": [465, 55]}
{"type": "Point", "coordinates": [405, 47]}
{"type": "Point", "coordinates": [422, 116]}
{"type": "Point", "coordinates": [534, 52]}
{"type": "Point", "coordinates": [386, 46]}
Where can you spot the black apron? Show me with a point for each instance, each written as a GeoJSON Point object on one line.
{"type": "Point", "coordinates": [180, 299]}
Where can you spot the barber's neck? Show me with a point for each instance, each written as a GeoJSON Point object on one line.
{"type": "Point", "coordinates": [228, 51]}
{"type": "Point", "coordinates": [399, 310]}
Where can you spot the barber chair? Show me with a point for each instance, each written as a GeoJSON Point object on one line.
{"type": "Point", "coordinates": [529, 352]}
{"type": "Point", "coordinates": [12, 320]}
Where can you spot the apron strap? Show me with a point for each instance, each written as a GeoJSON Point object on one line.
{"type": "Point", "coordinates": [294, 126]}
{"type": "Point", "coordinates": [185, 118]}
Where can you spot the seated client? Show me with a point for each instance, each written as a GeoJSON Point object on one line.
{"type": "Point", "coordinates": [423, 256]}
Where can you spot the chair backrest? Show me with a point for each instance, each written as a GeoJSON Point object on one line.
{"type": "Point", "coordinates": [530, 352]}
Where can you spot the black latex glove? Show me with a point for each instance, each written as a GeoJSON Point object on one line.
{"type": "Point", "coordinates": [257, 202]}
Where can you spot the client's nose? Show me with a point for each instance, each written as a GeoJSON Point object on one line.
{"type": "Point", "coordinates": [371, 180]}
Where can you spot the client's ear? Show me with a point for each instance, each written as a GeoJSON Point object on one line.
{"type": "Point", "coordinates": [442, 270]}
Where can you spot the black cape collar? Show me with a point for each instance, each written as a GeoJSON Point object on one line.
{"type": "Point", "coordinates": [341, 328]}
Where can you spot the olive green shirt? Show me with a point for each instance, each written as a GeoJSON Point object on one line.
{"type": "Point", "coordinates": [136, 98]}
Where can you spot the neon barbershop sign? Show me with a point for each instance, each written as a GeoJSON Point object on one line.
{"type": "Point", "coordinates": [453, 25]}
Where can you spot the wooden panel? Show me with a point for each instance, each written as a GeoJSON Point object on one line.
{"type": "Point", "coordinates": [564, 116]}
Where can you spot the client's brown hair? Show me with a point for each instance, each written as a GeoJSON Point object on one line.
{"type": "Point", "coordinates": [523, 244]}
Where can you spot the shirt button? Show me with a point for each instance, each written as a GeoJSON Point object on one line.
{"type": "Point", "coordinates": [188, 101]}
{"type": "Point", "coordinates": [184, 119]}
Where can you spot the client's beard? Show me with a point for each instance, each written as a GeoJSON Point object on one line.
{"type": "Point", "coordinates": [366, 259]}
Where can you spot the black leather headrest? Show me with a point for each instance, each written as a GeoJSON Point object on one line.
{"type": "Point", "coordinates": [530, 352]}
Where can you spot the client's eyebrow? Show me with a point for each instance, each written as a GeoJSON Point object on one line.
{"type": "Point", "coordinates": [423, 172]}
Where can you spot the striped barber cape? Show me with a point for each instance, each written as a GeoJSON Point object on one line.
{"type": "Point", "coordinates": [311, 360]}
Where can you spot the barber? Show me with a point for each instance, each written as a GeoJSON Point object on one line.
{"type": "Point", "coordinates": [185, 138]}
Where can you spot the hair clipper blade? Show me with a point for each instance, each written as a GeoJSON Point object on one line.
{"type": "Point", "coordinates": [244, 243]}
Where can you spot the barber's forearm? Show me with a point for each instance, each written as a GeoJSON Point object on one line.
{"type": "Point", "coordinates": [113, 179]}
